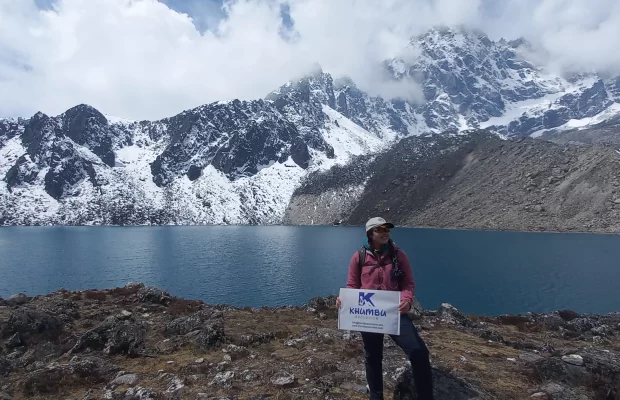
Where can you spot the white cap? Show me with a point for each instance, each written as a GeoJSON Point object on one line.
{"type": "Point", "coordinates": [377, 222]}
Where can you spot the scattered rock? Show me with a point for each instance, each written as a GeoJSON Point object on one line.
{"type": "Point", "coordinates": [573, 359]}
{"type": "Point", "coordinates": [28, 322]}
{"type": "Point", "coordinates": [581, 325]}
{"type": "Point", "coordinates": [126, 379]}
{"type": "Point", "coordinates": [140, 393]}
{"type": "Point", "coordinates": [561, 392]}
{"type": "Point", "coordinates": [175, 387]}
{"type": "Point", "coordinates": [552, 322]}
{"type": "Point", "coordinates": [18, 299]}
{"type": "Point", "coordinates": [43, 352]}
{"type": "Point", "coordinates": [169, 346]}
{"type": "Point", "coordinates": [148, 294]}
{"type": "Point", "coordinates": [48, 380]}
{"type": "Point", "coordinates": [5, 367]}
{"type": "Point", "coordinates": [490, 335]}
{"type": "Point", "coordinates": [321, 303]}
{"type": "Point", "coordinates": [282, 379]}
{"type": "Point", "coordinates": [530, 357]}
{"type": "Point", "coordinates": [236, 352]}
{"type": "Point", "coordinates": [14, 341]}
{"type": "Point", "coordinates": [210, 336]}
{"type": "Point", "coordinates": [553, 388]}
{"type": "Point", "coordinates": [445, 386]}
{"type": "Point", "coordinates": [130, 285]}
{"type": "Point", "coordinates": [123, 315]}
{"type": "Point", "coordinates": [254, 339]}
{"type": "Point", "coordinates": [5, 396]}
{"type": "Point", "coordinates": [91, 368]}
{"type": "Point", "coordinates": [38, 368]}
{"type": "Point", "coordinates": [193, 322]}
{"type": "Point", "coordinates": [250, 376]}
{"type": "Point", "coordinates": [354, 387]}
{"type": "Point", "coordinates": [417, 311]}
{"type": "Point", "coordinates": [451, 315]}
{"type": "Point", "coordinates": [568, 315]}
{"type": "Point", "coordinates": [223, 378]}
{"type": "Point", "coordinates": [554, 369]}
{"type": "Point", "coordinates": [603, 330]}
{"type": "Point", "coordinates": [206, 327]}
{"type": "Point", "coordinates": [114, 336]}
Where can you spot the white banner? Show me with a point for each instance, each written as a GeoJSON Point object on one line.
{"type": "Point", "coordinates": [365, 310]}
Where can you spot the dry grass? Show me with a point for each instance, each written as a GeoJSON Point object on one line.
{"type": "Point", "coordinates": [124, 291]}
{"type": "Point", "coordinates": [95, 295]}
{"type": "Point", "coordinates": [180, 306]}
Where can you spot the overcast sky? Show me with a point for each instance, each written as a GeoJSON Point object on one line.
{"type": "Point", "coordinates": [148, 59]}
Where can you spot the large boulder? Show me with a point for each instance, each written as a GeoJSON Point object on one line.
{"type": "Point", "coordinates": [114, 336]}
{"type": "Point", "coordinates": [5, 367]}
{"type": "Point", "coordinates": [79, 371]}
{"type": "Point", "coordinates": [18, 299]}
{"type": "Point", "coordinates": [195, 321]}
{"type": "Point", "coordinates": [206, 327]}
{"type": "Point", "coordinates": [581, 369]}
{"type": "Point", "coordinates": [149, 294]}
{"type": "Point", "coordinates": [417, 311]}
{"type": "Point", "coordinates": [450, 314]}
{"type": "Point", "coordinates": [445, 387]}
{"type": "Point", "coordinates": [27, 322]}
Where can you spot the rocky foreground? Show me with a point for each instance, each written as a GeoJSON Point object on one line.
{"type": "Point", "coordinates": [140, 342]}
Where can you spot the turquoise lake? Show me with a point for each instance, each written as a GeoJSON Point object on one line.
{"type": "Point", "coordinates": [478, 272]}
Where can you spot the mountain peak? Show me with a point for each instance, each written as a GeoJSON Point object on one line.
{"type": "Point", "coordinates": [452, 35]}
{"type": "Point", "coordinates": [82, 112]}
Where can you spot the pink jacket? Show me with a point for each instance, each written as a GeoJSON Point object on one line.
{"type": "Point", "coordinates": [376, 274]}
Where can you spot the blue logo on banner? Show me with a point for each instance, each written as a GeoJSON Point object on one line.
{"type": "Point", "coordinates": [365, 298]}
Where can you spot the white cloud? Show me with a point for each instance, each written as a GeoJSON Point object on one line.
{"type": "Point", "coordinates": [140, 59]}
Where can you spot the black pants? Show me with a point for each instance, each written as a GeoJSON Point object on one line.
{"type": "Point", "coordinates": [412, 344]}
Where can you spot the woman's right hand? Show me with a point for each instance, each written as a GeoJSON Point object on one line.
{"type": "Point", "coordinates": [338, 302]}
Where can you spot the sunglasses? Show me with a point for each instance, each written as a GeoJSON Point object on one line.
{"type": "Point", "coordinates": [382, 229]}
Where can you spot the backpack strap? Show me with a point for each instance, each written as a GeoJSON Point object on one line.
{"type": "Point", "coordinates": [362, 257]}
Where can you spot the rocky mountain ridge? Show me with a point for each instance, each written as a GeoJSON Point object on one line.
{"type": "Point", "coordinates": [472, 181]}
{"type": "Point", "coordinates": [238, 162]}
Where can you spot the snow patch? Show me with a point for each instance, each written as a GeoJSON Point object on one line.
{"type": "Point", "coordinates": [610, 112]}
{"type": "Point", "coordinates": [118, 120]}
{"type": "Point", "coordinates": [9, 154]}
{"type": "Point", "coordinates": [347, 138]}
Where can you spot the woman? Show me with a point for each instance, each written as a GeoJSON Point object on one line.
{"type": "Point", "coordinates": [386, 267]}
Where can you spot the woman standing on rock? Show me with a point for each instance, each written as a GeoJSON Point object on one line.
{"type": "Point", "coordinates": [386, 267]}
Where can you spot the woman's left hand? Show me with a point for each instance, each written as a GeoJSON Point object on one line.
{"type": "Point", "coordinates": [404, 307]}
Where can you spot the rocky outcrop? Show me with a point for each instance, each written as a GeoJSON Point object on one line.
{"type": "Point", "coordinates": [120, 344]}
{"type": "Point", "coordinates": [25, 322]}
{"type": "Point", "coordinates": [114, 336]}
{"type": "Point", "coordinates": [446, 386]}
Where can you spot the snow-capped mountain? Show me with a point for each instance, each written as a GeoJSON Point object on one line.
{"type": "Point", "coordinates": [238, 162]}
{"type": "Point", "coordinates": [470, 81]}
{"type": "Point", "coordinates": [231, 162]}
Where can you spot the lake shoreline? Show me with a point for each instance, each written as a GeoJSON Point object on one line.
{"type": "Point", "coordinates": [419, 227]}
{"type": "Point", "coordinates": [142, 342]}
